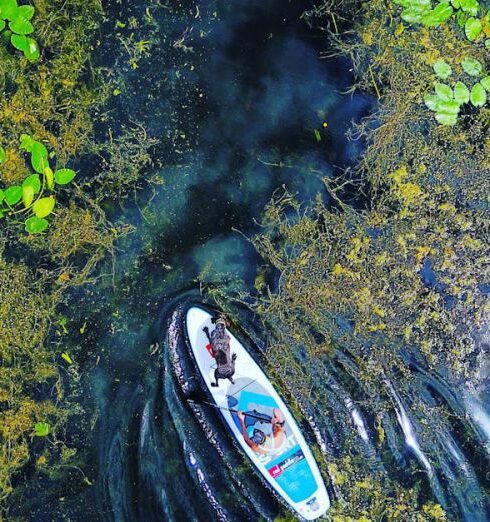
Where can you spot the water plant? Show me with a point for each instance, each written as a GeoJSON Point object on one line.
{"type": "Point", "coordinates": [464, 11]}
{"type": "Point", "coordinates": [30, 197]}
{"type": "Point", "coordinates": [447, 101]}
{"type": "Point", "coordinates": [19, 27]}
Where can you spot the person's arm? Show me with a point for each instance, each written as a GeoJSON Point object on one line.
{"type": "Point", "coordinates": [206, 331]}
{"type": "Point", "coordinates": [246, 438]}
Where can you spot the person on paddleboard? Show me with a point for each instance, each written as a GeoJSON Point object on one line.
{"type": "Point", "coordinates": [261, 443]}
{"type": "Point", "coordinates": [221, 351]}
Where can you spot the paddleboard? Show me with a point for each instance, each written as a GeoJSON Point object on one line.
{"type": "Point", "coordinates": [281, 455]}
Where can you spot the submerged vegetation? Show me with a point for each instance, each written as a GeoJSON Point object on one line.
{"type": "Point", "coordinates": [47, 99]}
{"type": "Point", "coordinates": [401, 270]}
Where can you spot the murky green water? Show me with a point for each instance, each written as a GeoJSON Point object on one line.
{"type": "Point", "coordinates": [233, 91]}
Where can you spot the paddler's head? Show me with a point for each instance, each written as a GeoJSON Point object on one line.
{"type": "Point", "coordinates": [277, 420]}
{"type": "Point", "coordinates": [221, 323]}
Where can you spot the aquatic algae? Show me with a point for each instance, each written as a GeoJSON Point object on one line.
{"type": "Point", "coordinates": [412, 284]}
{"type": "Point", "coordinates": [48, 103]}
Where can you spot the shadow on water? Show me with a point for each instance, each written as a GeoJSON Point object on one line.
{"type": "Point", "coordinates": [233, 91]}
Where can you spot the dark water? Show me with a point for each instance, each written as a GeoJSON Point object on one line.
{"type": "Point", "coordinates": [234, 106]}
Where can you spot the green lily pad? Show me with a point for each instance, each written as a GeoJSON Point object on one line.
{"type": "Point", "coordinates": [412, 15]}
{"type": "Point", "coordinates": [414, 3]}
{"type": "Point", "coordinates": [446, 119]}
{"type": "Point", "coordinates": [32, 52]}
{"type": "Point", "coordinates": [27, 195]}
{"type": "Point", "coordinates": [448, 107]}
{"type": "Point", "coordinates": [2, 24]}
{"type": "Point", "coordinates": [438, 15]}
{"type": "Point", "coordinates": [472, 29]}
{"type": "Point", "coordinates": [443, 91]}
{"type": "Point", "coordinates": [21, 26]}
{"type": "Point", "coordinates": [43, 206]}
{"type": "Point", "coordinates": [471, 66]}
{"type": "Point", "coordinates": [2, 195]}
{"type": "Point", "coordinates": [469, 6]}
{"type": "Point", "coordinates": [461, 93]}
{"type": "Point", "coordinates": [32, 181]}
{"type": "Point", "coordinates": [39, 157]}
{"type": "Point", "coordinates": [19, 41]}
{"type": "Point", "coordinates": [8, 8]}
{"type": "Point", "coordinates": [432, 101]}
{"type": "Point", "coordinates": [13, 195]}
{"type": "Point", "coordinates": [461, 18]}
{"type": "Point", "coordinates": [478, 96]}
{"type": "Point", "coordinates": [35, 225]}
{"type": "Point", "coordinates": [442, 69]}
{"type": "Point", "coordinates": [25, 11]}
{"type": "Point", "coordinates": [49, 177]}
{"type": "Point", "coordinates": [486, 83]}
{"type": "Point", "coordinates": [26, 142]}
{"type": "Point", "coordinates": [41, 429]}
{"type": "Point", "coordinates": [2, 155]}
{"type": "Point", "coordinates": [64, 176]}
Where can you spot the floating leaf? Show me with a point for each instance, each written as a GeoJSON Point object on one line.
{"type": "Point", "coordinates": [2, 155]}
{"type": "Point", "coordinates": [443, 91]}
{"type": "Point", "coordinates": [432, 101]}
{"type": "Point", "coordinates": [64, 176]}
{"type": "Point", "coordinates": [44, 206]}
{"type": "Point", "coordinates": [469, 6]}
{"type": "Point", "coordinates": [2, 195]}
{"type": "Point", "coordinates": [442, 69]}
{"type": "Point", "coordinates": [32, 181]}
{"type": "Point", "coordinates": [39, 157]}
{"type": "Point", "coordinates": [2, 25]}
{"type": "Point", "coordinates": [27, 195]}
{"type": "Point", "coordinates": [461, 93]}
{"type": "Point", "coordinates": [13, 195]}
{"type": "Point", "coordinates": [26, 142]}
{"type": "Point", "coordinates": [478, 95]}
{"type": "Point", "coordinates": [471, 66]}
{"type": "Point", "coordinates": [472, 29]}
{"type": "Point", "coordinates": [461, 18]}
{"type": "Point", "coordinates": [8, 8]}
{"type": "Point", "coordinates": [420, 4]}
{"type": "Point", "coordinates": [438, 15]}
{"type": "Point", "coordinates": [21, 26]}
{"type": "Point", "coordinates": [32, 53]}
{"type": "Point", "coordinates": [19, 41]}
{"type": "Point", "coordinates": [66, 357]}
{"type": "Point", "coordinates": [446, 119]}
{"type": "Point", "coordinates": [41, 429]}
{"type": "Point", "coordinates": [413, 15]}
{"type": "Point", "coordinates": [49, 177]}
{"type": "Point", "coordinates": [25, 11]}
{"type": "Point", "coordinates": [35, 225]}
{"type": "Point", "coordinates": [448, 107]}
{"type": "Point", "coordinates": [486, 83]}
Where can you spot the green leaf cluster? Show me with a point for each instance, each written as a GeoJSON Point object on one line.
{"type": "Point", "coordinates": [30, 197]}
{"type": "Point", "coordinates": [446, 102]}
{"type": "Point", "coordinates": [465, 11]}
{"type": "Point", "coordinates": [19, 23]}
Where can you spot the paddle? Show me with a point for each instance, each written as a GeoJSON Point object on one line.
{"type": "Point", "coordinates": [262, 417]}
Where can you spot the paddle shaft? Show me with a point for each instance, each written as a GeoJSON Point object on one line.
{"type": "Point", "coordinates": [260, 417]}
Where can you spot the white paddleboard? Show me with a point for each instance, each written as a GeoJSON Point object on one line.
{"type": "Point", "coordinates": [283, 458]}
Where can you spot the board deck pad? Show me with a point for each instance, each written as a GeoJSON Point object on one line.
{"type": "Point", "coordinates": [284, 459]}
